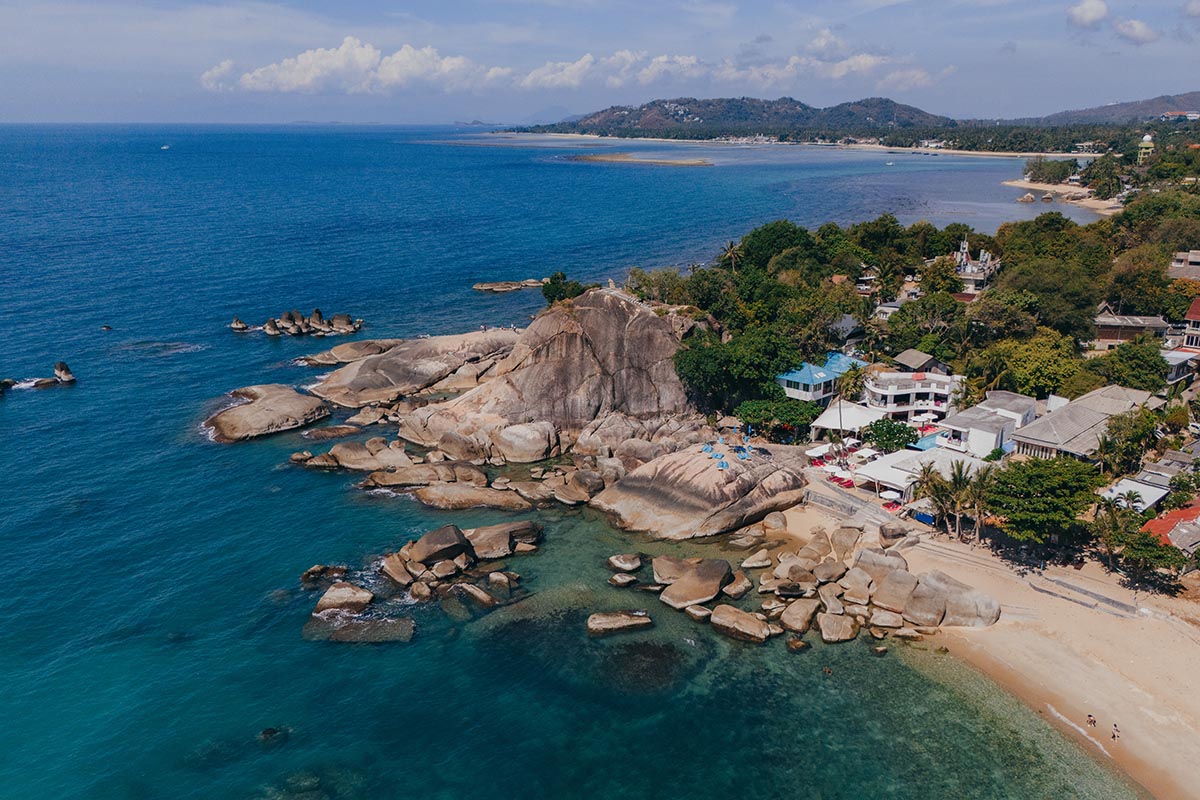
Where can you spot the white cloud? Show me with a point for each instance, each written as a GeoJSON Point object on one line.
{"type": "Point", "coordinates": [408, 65]}
{"type": "Point", "coordinates": [349, 67]}
{"type": "Point", "coordinates": [908, 78]}
{"type": "Point", "coordinates": [216, 79]}
{"type": "Point", "coordinates": [1192, 9]}
{"type": "Point", "coordinates": [826, 44]}
{"type": "Point", "coordinates": [668, 67]}
{"type": "Point", "coordinates": [1135, 31]}
{"type": "Point", "coordinates": [1088, 13]}
{"type": "Point", "coordinates": [560, 74]}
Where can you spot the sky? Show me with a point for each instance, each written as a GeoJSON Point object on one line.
{"type": "Point", "coordinates": [518, 61]}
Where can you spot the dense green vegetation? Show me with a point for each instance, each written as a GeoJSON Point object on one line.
{"type": "Point", "coordinates": [558, 287]}
{"type": "Point", "coordinates": [1043, 170]}
{"type": "Point", "coordinates": [768, 302]}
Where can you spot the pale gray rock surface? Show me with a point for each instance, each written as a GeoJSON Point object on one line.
{"type": "Point", "coordinates": [272, 408]}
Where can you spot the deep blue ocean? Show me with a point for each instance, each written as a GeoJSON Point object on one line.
{"type": "Point", "coordinates": [151, 605]}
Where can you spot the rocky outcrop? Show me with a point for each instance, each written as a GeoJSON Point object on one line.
{"type": "Point", "coordinates": [601, 355]}
{"type": "Point", "coordinates": [894, 590]}
{"type": "Point", "coordinates": [941, 600]}
{"type": "Point", "coordinates": [525, 443]}
{"type": "Point", "coordinates": [344, 596]}
{"type": "Point", "coordinates": [498, 541]}
{"type": "Point", "coordinates": [459, 496]}
{"type": "Point", "coordinates": [738, 624]}
{"type": "Point", "coordinates": [798, 616]}
{"type": "Point", "coordinates": [441, 544]}
{"type": "Point", "coordinates": [608, 623]}
{"type": "Point", "coordinates": [878, 564]}
{"type": "Point", "coordinates": [370, 456]}
{"type": "Point", "coordinates": [685, 494]}
{"type": "Point", "coordinates": [625, 562]}
{"type": "Point", "coordinates": [426, 475]}
{"type": "Point", "coordinates": [62, 373]}
{"type": "Point", "coordinates": [699, 581]}
{"type": "Point", "coordinates": [501, 287]}
{"type": "Point", "coordinates": [271, 408]}
{"type": "Point", "coordinates": [836, 627]}
{"type": "Point", "coordinates": [293, 323]}
{"type": "Point", "coordinates": [350, 351]}
{"type": "Point", "coordinates": [413, 366]}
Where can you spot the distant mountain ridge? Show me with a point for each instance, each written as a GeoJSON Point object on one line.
{"type": "Point", "coordinates": [685, 116]}
{"type": "Point", "coordinates": [1122, 113]}
{"type": "Point", "coordinates": [749, 115]}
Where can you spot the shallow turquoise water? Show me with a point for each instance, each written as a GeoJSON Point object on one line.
{"type": "Point", "coordinates": [152, 606]}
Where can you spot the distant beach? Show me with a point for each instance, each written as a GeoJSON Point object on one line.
{"type": "Point", "coordinates": [1068, 194]}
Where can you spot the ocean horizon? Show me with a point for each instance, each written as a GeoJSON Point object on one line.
{"type": "Point", "coordinates": [154, 606]}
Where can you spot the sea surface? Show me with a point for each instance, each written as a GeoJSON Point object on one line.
{"type": "Point", "coordinates": [151, 605]}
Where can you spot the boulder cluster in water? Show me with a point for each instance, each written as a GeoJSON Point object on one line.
{"type": "Point", "coordinates": [447, 564]}
{"type": "Point", "coordinates": [62, 377]}
{"type": "Point", "coordinates": [816, 584]}
{"type": "Point", "coordinates": [293, 323]}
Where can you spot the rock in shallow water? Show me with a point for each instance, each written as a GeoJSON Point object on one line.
{"type": "Point", "coordinates": [699, 582]}
{"type": "Point", "coordinates": [608, 623]}
{"type": "Point", "coordinates": [458, 496]}
{"type": "Point", "coordinates": [272, 408]}
{"type": "Point", "coordinates": [738, 624]}
{"type": "Point", "coordinates": [344, 596]}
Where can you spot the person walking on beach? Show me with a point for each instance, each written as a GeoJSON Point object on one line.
{"type": "Point", "coordinates": [1091, 721]}
{"type": "Point", "coordinates": [1116, 734]}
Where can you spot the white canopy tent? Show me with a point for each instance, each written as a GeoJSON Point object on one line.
{"type": "Point", "coordinates": [846, 417]}
{"type": "Point", "coordinates": [818, 451]}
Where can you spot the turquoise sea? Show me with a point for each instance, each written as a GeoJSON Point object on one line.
{"type": "Point", "coordinates": [151, 603]}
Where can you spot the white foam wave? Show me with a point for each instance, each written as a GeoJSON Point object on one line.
{"type": "Point", "coordinates": [1077, 727]}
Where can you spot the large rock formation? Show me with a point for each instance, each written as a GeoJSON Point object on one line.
{"type": "Point", "coordinates": [701, 580]}
{"type": "Point", "coordinates": [412, 366]}
{"type": "Point", "coordinates": [603, 355]}
{"type": "Point", "coordinates": [272, 408]}
{"type": "Point", "coordinates": [684, 494]}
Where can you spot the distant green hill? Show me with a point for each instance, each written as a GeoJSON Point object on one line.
{"type": "Point", "coordinates": [688, 117]}
{"type": "Point", "coordinates": [1121, 113]}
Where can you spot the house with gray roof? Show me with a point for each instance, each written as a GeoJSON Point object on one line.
{"type": "Point", "coordinates": [989, 426]}
{"type": "Point", "coordinates": [1074, 429]}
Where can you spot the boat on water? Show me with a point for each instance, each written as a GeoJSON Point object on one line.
{"type": "Point", "coordinates": [165, 147]}
{"type": "Point", "coordinates": [890, 164]}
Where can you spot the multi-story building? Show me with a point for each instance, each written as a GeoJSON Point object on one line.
{"type": "Point", "coordinates": [818, 383]}
{"type": "Point", "coordinates": [907, 395]}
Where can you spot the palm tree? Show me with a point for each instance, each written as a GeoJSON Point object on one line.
{"type": "Point", "coordinates": [1105, 452]}
{"type": "Point", "coordinates": [930, 485]}
{"type": "Point", "coordinates": [730, 255]}
{"type": "Point", "coordinates": [958, 489]}
{"type": "Point", "coordinates": [851, 382]}
{"type": "Point", "coordinates": [1108, 525]}
{"type": "Point", "coordinates": [1131, 499]}
{"type": "Point", "coordinates": [978, 496]}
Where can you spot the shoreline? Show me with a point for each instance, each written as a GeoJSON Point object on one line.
{"type": "Point", "coordinates": [1064, 660]}
{"type": "Point", "coordinates": [879, 148]}
{"type": "Point", "coordinates": [1105, 208]}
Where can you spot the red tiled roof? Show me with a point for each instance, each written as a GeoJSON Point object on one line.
{"type": "Point", "coordinates": [1162, 526]}
{"type": "Point", "coordinates": [1193, 312]}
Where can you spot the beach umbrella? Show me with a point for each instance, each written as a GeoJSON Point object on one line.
{"type": "Point", "coordinates": [831, 468]}
{"type": "Point", "coordinates": [890, 495]}
{"type": "Point", "coordinates": [844, 474]}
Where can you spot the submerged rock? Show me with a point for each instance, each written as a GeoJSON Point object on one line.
{"type": "Point", "coordinates": [625, 562]}
{"type": "Point", "coordinates": [272, 408]}
{"type": "Point", "coordinates": [798, 616]}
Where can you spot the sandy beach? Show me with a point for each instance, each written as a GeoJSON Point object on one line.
{"type": "Point", "coordinates": [629, 158]}
{"type": "Point", "coordinates": [1068, 654]}
{"type": "Point", "coordinates": [1074, 642]}
{"type": "Point", "coordinates": [1103, 207]}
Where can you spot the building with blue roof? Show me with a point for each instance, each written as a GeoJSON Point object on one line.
{"type": "Point", "coordinates": [818, 383]}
